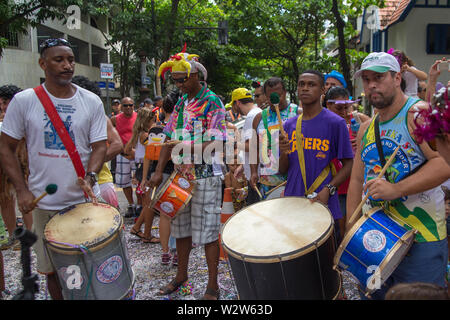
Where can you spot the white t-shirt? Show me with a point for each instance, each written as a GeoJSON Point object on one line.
{"type": "Point", "coordinates": [139, 152]}
{"type": "Point", "coordinates": [247, 130]}
{"type": "Point", "coordinates": [84, 117]}
{"type": "Point", "coordinates": [411, 83]}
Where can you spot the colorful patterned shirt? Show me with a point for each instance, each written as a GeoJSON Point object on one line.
{"type": "Point", "coordinates": [206, 109]}
{"type": "Point", "coordinates": [199, 120]}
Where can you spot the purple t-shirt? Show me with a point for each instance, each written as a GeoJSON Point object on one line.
{"type": "Point", "coordinates": [326, 138]}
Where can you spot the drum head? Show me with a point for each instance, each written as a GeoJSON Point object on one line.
{"type": "Point", "coordinates": [289, 226]}
{"type": "Point", "coordinates": [84, 224]}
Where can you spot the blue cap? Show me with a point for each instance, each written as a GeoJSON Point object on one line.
{"type": "Point", "coordinates": [338, 76]}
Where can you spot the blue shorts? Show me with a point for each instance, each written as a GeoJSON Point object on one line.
{"type": "Point", "coordinates": [425, 262]}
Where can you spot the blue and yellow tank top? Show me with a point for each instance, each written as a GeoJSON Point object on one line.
{"type": "Point", "coordinates": [424, 212]}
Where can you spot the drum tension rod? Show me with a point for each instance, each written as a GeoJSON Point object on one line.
{"type": "Point", "coordinates": [385, 228]}
{"type": "Point", "coordinates": [284, 278]}
{"type": "Point", "coordinates": [320, 270]}
{"type": "Point", "coordinates": [400, 221]}
{"type": "Point", "coordinates": [354, 257]}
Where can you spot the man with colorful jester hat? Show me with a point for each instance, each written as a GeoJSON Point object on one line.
{"type": "Point", "coordinates": [410, 192]}
{"type": "Point", "coordinates": [198, 120]}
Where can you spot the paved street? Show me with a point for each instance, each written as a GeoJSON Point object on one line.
{"type": "Point", "coordinates": [150, 274]}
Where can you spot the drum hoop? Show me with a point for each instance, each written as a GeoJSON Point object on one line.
{"type": "Point", "coordinates": [408, 238]}
{"type": "Point", "coordinates": [348, 237]}
{"type": "Point", "coordinates": [285, 256]}
{"type": "Point", "coordinates": [64, 249]}
{"type": "Point", "coordinates": [340, 286]}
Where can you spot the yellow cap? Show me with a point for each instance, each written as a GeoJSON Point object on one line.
{"type": "Point", "coordinates": [240, 93]}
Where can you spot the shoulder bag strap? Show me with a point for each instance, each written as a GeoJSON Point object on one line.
{"type": "Point", "coordinates": [61, 130]}
{"type": "Point", "coordinates": [379, 145]}
{"type": "Point", "coordinates": [301, 158]}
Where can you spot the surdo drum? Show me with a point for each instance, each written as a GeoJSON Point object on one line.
{"type": "Point", "coordinates": [282, 249]}
{"type": "Point", "coordinates": [373, 248]}
{"type": "Point", "coordinates": [87, 247]}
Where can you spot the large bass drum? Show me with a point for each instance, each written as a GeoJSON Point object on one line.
{"type": "Point", "coordinates": [282, 249]}
{"type": "Point", "coordinates": [87, 248]}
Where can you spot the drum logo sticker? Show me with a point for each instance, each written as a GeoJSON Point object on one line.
{"type": "Point", "coordinates": [71, 276]}
{"type": "Point", "coordinates": [374, 241]}
{"type": "Point", "coordinates": [110, 270]}
{"type": "Point", "coordinates": [167, 207]}
{"type": "Point", "coordinates": [184, 183]}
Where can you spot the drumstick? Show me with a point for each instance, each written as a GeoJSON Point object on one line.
{"type": "Point", "coordinates": [153, 193]}
{"type": "Point", "coordinates": [386, 166]}
{"type": "Point", "coordinates": [257, 191]}
{"type": "Point", "coordinates": [50, 189]}
{"type": "Point", "coordinates": [275, 100]}
{"type": "Point", "coordinates": [166, 143]}
{"type": "Point", "coordinates": [278, 186]}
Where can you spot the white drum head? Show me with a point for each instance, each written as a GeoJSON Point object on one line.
{"type": "Point", "coordinates": [277, 227]}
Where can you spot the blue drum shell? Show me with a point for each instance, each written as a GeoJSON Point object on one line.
{"type": "Point", "coordinates": [361, 257]}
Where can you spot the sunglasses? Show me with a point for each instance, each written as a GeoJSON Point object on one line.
{"type": "Point", "coordinates": [181, 80]}
{"type": "Point", "coordinates": [49, 43]}
{"type": "Point", "coordinates": [343, 101]}
{"type": "Point", "coordinates": [128, 105]}
{"type": "Point", "coordinates": [258, 95]}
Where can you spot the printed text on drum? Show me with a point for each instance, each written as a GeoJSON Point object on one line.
{"type": "Point", "coordinates": [228, 309]}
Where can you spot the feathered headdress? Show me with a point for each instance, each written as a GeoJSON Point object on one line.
{"type": "Point", "coordinates": [435, 120]}
{"type": "Point", "coordinates": [183, 63]}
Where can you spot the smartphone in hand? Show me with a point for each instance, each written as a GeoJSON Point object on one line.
{"type": "Point", "coordinates": [443, 65]}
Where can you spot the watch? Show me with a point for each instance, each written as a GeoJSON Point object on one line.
{"type": "Point", "coordinates": [93, 176]}
{"type": "Point", "coordinates": [332, 189]}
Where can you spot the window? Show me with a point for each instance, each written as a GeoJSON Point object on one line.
{"type": "Point", "coordinates": [438, 39]}
{"type": "Point", "coordinates": [45, 33]}
{"type": "Point", "coordinates": [13, 39]}
{"type": "Point", "coordinates": [376, 42]}
{"type": "Point", "coordinates": [80, 50]}
{"type": "Point", "coordinates": [99, 55]}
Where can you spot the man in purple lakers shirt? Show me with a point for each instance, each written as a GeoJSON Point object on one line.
{"type": "Point", "coordinates": [325, 137]}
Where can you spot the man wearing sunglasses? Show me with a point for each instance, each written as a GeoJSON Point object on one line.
{"type": "Point", "coordinates": [123, 122]}
{"type": "Point", "coordinates": [410, 190]}
{"type": "Point", "coordinates": [199, 117]}
{"type": "Point", "coordinates": [259, 96]}
{"type": "Point", "coordinates": [49, 161]}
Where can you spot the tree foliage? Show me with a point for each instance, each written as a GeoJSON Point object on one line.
{"type": "Point", "coordinates": [266, 37]}
{"type": "Point", "coordinates": [16, 16]}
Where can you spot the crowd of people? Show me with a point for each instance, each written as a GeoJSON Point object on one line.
{"type": "Point", "coordinates": [324, 149]}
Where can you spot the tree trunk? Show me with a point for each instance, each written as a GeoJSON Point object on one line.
{"type": "Point", "coordinates": [157, 79]}
{"type": "Point", "coordinates": [340, 25]}
{"type": "Point", "coordinates": [171, 25]}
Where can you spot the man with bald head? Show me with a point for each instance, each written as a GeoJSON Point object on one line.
{"type": "Point", "coordinates": [124, 122]}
